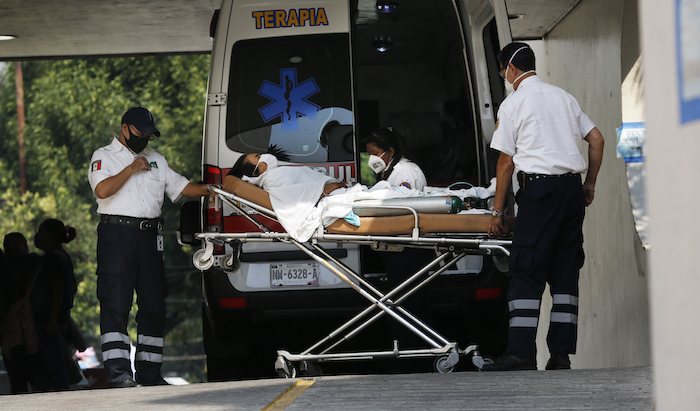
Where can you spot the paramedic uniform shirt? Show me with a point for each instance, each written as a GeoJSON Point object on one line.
{"type": "Point", "coordinates": [142, 195]}
{"type": "Point", "coordinates": [549, 127]}
{"type": "Point", "coordinates": [407, 174]}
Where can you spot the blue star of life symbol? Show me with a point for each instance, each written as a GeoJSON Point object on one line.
{"type": "Point", "coordinates": [288, 99]}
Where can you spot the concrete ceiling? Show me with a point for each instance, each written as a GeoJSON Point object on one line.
{"type": "Point", "coordinates": [78, 28]}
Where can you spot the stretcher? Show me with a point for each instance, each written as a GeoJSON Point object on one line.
{"type": "Point", "coordinates": [452, 236]}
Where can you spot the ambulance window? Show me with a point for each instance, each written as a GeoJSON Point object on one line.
{"type": "Point", "coordinates": [293, 93]}
{"type": "Point", "coordinates": [492, 47]}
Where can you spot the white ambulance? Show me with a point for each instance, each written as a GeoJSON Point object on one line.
{"type": "Point", "coordinates": [312, 77]}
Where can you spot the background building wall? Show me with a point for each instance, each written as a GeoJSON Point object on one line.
{"type": "Point", "coordinates": [672, 165]}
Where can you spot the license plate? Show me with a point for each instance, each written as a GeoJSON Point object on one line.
{"type": "Point", "coordinates": [285, 275]}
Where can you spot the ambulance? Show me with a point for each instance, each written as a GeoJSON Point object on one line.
{"type": "Point", "coordinates": [311, 78]}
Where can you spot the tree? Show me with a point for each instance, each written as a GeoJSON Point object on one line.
{"type": "Point", "coordinates": [72, 108]}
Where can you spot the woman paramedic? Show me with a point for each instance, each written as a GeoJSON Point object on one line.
{"type": "Point", "coordinates": [386, 158]}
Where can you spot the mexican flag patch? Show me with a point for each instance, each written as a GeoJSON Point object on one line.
{"type": "Point", "coordinates": [96, 165]}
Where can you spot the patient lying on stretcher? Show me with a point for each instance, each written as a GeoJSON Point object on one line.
{"type": "Point", "coordinates": [303, 199]}
{"type": "Point", "coordinates": [263, 171]}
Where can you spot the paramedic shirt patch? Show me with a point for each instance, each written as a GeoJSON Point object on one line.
{"type": "Point", "coordinates": [96, 165]}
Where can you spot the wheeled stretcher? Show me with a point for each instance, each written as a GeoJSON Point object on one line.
{"type": "Point", "coordinates": [452, 236]}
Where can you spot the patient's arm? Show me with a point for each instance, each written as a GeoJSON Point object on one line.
{"type": "Point", "coordinates": [246, 190]}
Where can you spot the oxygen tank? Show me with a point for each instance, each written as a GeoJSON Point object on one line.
{"type": "Point", "coordinates": [427, 205]}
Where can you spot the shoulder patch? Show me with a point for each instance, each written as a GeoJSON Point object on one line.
{"type": "Point", "coordinates": [96, 165]}
{"type": "Point", "coordinates": [405, 184]}
{"type": "Point", "coordinates": [497, 121]}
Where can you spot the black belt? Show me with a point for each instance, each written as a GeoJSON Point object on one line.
{"type": "Point", "coordinates": [524, 178]}
{"type": "Point", "coordinates": [145, 224]}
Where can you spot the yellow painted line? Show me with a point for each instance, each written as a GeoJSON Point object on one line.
{"type": "Point", "coordinates": [291, 394]}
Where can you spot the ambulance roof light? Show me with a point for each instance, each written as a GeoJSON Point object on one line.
{"type": "Point", "coordinates": [382, 43]}
{"type": "Point", "coordinates": [386, 7]}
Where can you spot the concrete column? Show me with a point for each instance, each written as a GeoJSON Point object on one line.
{"type": "Point", "coordinates": [585, 55]}
{"type": "Point", "coordinates": [673, 195]}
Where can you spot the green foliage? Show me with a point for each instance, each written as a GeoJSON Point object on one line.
{"type": "Point", "coordinates": [367, 176]}
{"type": "Point", "coordinates": [74, 107]}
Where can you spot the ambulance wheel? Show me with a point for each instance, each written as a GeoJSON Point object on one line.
{"type": "Point", "coordinates": [441, 365]}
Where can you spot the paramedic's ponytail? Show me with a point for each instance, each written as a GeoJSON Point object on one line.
{"type": "Point", "coordinates": [58, 232]}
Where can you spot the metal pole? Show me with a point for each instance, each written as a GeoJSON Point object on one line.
{"type": "Point", "coordinates": [19, 85]}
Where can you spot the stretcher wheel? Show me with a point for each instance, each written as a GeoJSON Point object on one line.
{"type": "Point", "coordinates": [284, 368]}
{"type": "Point", "coordinates": [308, 369]}
{"type": "Point", "coordinates": [230, 262]}
{"type": "Point", "coordinates": [480, 361]}
{"type": "Point", "coordinates": [441, 365]}
{"type": "Point", "coordinates": [283, 374]}
{"type": "Point", "coordinates": [200, 264]}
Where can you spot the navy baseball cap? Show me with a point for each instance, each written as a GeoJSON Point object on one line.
{"type": "Point", "coordinates": [142, 119]}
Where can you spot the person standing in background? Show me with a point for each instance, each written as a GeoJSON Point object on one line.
{"type": "Point", "coordinates": [52, 300]}
{"type": "Point", "coordinates": [20, 268]}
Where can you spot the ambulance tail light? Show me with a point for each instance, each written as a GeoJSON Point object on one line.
{"type": "Point", "coordinates": [233, 302]}
{"type": "Point", "coordinates": [487, 293]}
{"type": "Point", "coordinates": [213, 216]}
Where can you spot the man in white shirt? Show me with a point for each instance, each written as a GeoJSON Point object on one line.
{"type": "Point", "coordinates": [129, 182]}
{"type": "Point", "coordinates": [539, 132]}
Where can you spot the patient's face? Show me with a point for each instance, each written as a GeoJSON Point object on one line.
{"type": "Point", "coordinates": [254, 159]}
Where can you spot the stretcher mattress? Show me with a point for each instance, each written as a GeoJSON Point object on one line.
{"type": "Point", "coordinates": [387, 225]}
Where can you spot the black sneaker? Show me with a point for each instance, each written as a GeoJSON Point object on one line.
{"type": "Point", "coordinates": [511, 363]}
{"type": "Point", "coordinates": [558, 362]}
{"type": "Point", "coordinates": [125, 383]}
{"type": "Point", "coordinates": [158, 381]}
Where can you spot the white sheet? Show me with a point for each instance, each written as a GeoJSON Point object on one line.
{"type": "Point", "coordinates": [294, 193]}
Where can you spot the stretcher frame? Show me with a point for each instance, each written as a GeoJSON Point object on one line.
{"type": "Point", "coordinates": [450, 248]}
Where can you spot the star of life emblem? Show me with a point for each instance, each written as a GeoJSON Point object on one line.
{"type": "Point", "coordinates": [289, 99]}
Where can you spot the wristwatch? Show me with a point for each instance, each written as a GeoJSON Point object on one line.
{"type": "Point", "coordinates": [497, 214]}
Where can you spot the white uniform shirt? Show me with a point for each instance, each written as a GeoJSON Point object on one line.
{"type": "Point", "coordinates": [142, 195]}
{"type": "Point", "coordinates": [407, 174]}
{"type": "Point", "coordinates": [542, 127]}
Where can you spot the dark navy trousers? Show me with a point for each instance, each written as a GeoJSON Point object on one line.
{"type": "Point", "coordinates": [547, 248]}
{"type": "Point", "coordinates": [128, 260]}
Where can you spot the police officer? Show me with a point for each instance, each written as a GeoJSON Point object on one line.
{"type": "Point", "coordinates": [539, 132]}
{"type": "Point", "coordinates": [129, 182]}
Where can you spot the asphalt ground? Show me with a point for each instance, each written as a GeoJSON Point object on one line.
{"type": "Point", "coordinates": [601, 389]}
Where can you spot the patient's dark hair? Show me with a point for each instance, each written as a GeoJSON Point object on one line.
{"type": "Point", "coordinates": [242, 167]}
{"type": "Point", "coordinates": [279, 152]}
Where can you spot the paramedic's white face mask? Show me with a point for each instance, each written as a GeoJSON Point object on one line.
{"type": "Point", "coordinates": [376, 163]}
{"type": "Point", "coordinates": [268, 159]}
{"type": "Point", "coordinates": [509, 86]}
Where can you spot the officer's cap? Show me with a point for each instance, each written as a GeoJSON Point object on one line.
{"type": "Point", "coordinates": [142, 119]}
